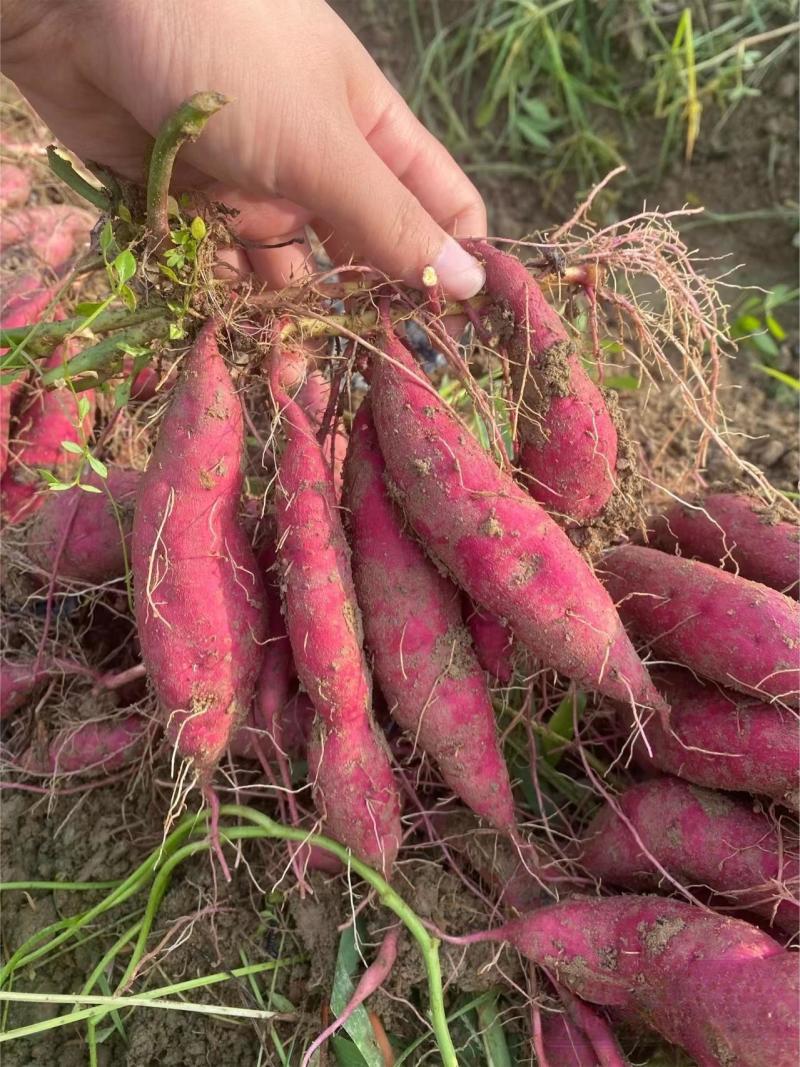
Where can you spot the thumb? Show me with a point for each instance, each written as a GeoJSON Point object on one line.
{"type": "Point", "coordinates": [371, 212]}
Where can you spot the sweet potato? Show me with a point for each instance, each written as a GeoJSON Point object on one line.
{"type": "Point", "coordinates": [277, 671]}
{"type": "Point", "coordinates": [314, 397]}
{"type": "Point", "coordinates": [48, 419]}
{"type": "Point", "coordinates": [566, 437]}
{"type": "Point", "coordinates": [51, 231]}
{"type": "Point", "coordinates": [353, 784]}
{"type": "Point", "coordinates": [23, 304]}
{"type": "Point", "coordinates": [494, 539]}
{"type": "Point", "coordinates": [21, 677]}
{"type": "Point", "coordinates": [723, 627]}
{"type": "Point", "coordinates": [95, 528]}
{"type": "Point", "coordinates": [15, 186]}
{"type": "Point", "coordinates": [492, 641]}
{"type": "Point", "coordinates": [720, 988]}
{"type": "Point", "coordinates": [702, 838]}
{"type": "Point", "coordinates": [295, 722]}
{"type": "Point", "coordinates": [199, 601]}
{"type": "Point", "coordinates": [722, 740]}
{"type": "Point", "coordinates": [422, 655]}
{"type": "Point", "coordinates": [91, 748]}
{"type": "Point", "coordinates": [565, 1044]}
{"type": "Point", "coordinates": [733, 531]}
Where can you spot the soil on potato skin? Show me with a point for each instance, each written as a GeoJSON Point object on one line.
{"type": "Point", "coordinates": [104, 833]}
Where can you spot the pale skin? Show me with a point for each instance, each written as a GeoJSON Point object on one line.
{"type": "Point", "coordinates": [314, 134]}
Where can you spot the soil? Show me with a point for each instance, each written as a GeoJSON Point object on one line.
{"type": "Point", "coordinates": [103, 833]}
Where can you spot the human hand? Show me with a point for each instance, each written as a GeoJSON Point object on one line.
{"type": "Point", "coordinates": [314, 133]}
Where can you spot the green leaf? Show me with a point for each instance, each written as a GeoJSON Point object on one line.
{"type": "Point", "coordinates": [73, 447]}
{"type": "Point", "coordinates": [780, 376]}
{"type": "Point", "coordinates": [346, 1053]}
{"type": "Point", "coordinates": [172, 206]}
{"type": "Point", "coordinates": [621, 382]}
{"type": "Point", "coordinates": [124, 214]}
{"type": "Point", "coordinates": [127, 296]}
{"type": "Point", "coordinates": [493, 1035]}
{"type": "Point", "coordinates": [122, 394]}
{"type": "Point", "coordinates": [748, 324]}
{"type": "Point", "coordinates": [87, 308]}
{"type": "Point", "coordinates": [168, 272]}
{"type": "Point", "coordinates": [48, 476]}
{"type": "Point", "coordinates": [125, 266]}
{"type": "Point", "coordinates": [198, 228]}
{"type": "Point", "coordinates": [561, 723]}
{"type": "Point", "coordinates": [176, 331]}
{"type": "Point", "coordinates": [84, 407]}
{"type": "Point", "coordinates": [60, 487]}
{"type": "Point", "coordinates": [775, 328]}
{"type": "Point", "coordinates": [89, 488]}
{"type": "Point", "coordinates": [106, 237]}
{"type": "Point", "coordinates": [358, 1025]}
{"type": "Point", "coordinates": [97, 465]}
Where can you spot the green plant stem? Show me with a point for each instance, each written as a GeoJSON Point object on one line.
{"type": "Point", "coordinates": [185, 124]}
{"type": "Point", "coordinates": [63, 169]}
{"type": "Point", "coordinates": [28, 887]}
{"type": "Point", "coordinates": [429, 946]}
{"type": "Point", "coordinates": [50, 334]}
{"type": "Point", "coordinates": [26, 954]}
{"type": "Point", "coordinates": [106, 355]}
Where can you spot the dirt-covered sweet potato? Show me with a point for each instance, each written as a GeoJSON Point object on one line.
{"type": "Point", "coordinates": [198, 596]}
{"type": "Point", "coordinates": [494, 539]}
{"type": "Point", "coordinates": [739, 633]}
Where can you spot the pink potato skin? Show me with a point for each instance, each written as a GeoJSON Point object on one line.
{"type": "Point", "coordinates": [422, 656]}
{"type": "Point", "coordinates": [18, 681]}
{"type": "Point", "coordinates": [24, 304]}
{"type": "Point", "coordinates": [736, 532]}
{"type": "Point", "coordinates": [97, 544]}
{"type": "Point", "coordinates": [349, 766]}
{"type": "Point", "coordinates": [567, 440]}
{"type": "Point", "coordinates": [725, 628]}
{"type": "Point", "coordinates": [565, 1044]}
{"type": "Point", "coordinates": [198, 596]}
{"type": "Point", "coordinates": [722, 740]}
{"type": "Point", "coordinates": [492, 641]}
{"type": "Point", "coordinates": [49, 418]}
{"type": "Point", "coordinates": [277, 671]}
{"type": "Point", "coordinates": [313, 398]}
{"type": "Point", "coordinates": [497, 543]}
{"type": "Point", "coordinates": [15, 186]}
{"type": "Point", "coordinates": [51, 231]}
{"type": "Point", "coordinates": [720, 988]}
{"type": "Point", "coordinates": [94, 747]}
{"type": "Point", "coordinates": [702, 838]}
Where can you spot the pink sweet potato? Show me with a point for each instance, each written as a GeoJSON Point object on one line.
{"type": "Point", "coordinates": [495, 540]}
{"type": "Point", "coordinates": [566, 438]}
{"type": "Point", "coordinates": [313, 397]}
{"type": "Point", "coordinates": [48, 419]}
{"type": "Point", "coordinates": [733, 531]}
{"type": "Point", "coordinates": [92, 748]}
{"type": "Point", "coordinates": [15, 186]}
{"type": "Point", "coordinates": [95, 528]}
{"type": "Point", "coordinates": [199, 601]}
{"type": "Point", "coordinates": [723, 740]}
{"type": "Point", "coordinates": [565, 1044]}
{"type": "Point", "coordinates": [22, 304]}
{"type": "Point", "coordinates": [277, 671]}
{"type": "Point", "coordinates": [492, 640]}
{"type": "Point", "coordinates": [422, 655]}
{"type": "Point", "coordinates": [51, 231]}
{"type": "Point", "coordinates": [295, 721]}
{"type": "Point", "coordinates": [720, 988]}
{"type": "Point", "coordinates": [700, 837]}
{"type": "Point", "coordinates": [353, 783]}
{"type": "Point", "coordinates": [20, 678]}
{"type": "Point", "coordinates": [723, 627]}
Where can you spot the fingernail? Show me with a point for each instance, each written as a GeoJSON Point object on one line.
{"type": "Point", "coordinates": [459, 273]}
